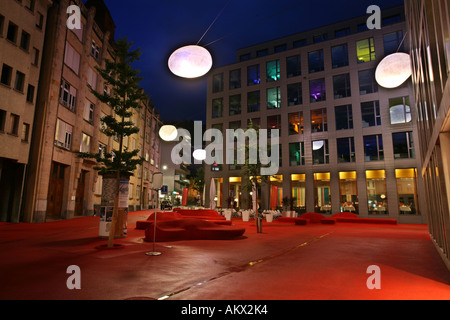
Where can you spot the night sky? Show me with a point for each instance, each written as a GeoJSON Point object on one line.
{"type": "Point", "coordinates": [160, 27]}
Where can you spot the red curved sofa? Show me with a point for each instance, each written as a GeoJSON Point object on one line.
{"type": "Point", "coordinates": [191, 229]}
{"type": "Point", "coordinates": [170, 215]}
{"type": "Point", "coordinates": [204, 214]}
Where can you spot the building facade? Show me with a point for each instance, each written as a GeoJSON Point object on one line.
{"type": "Point", "coordinates": [22, 32]}
{"type": "Point", "coordinates": [346, 144]}
{"type": "Point", "coordinates": [61, 185]}
{"type": "Point", "coordinates": [429, 34]}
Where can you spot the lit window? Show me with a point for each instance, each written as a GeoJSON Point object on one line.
{"type": "Point", "coordinates": [376, 192]}
{"type": "Point", "coordinates": [274, 98]}
{"type": "Point", "coordinates": [317, 90]}
{"type": "Point", "coordinates": [319, 120]}
{"type": "Point", "coordinates": [365, 50]}
{"type": "Point", "coordinates": [63, 134]}
{"type": "Point", "coordinates": [253, 75]}
{"type": "Point", "coordinates": [273, 70]}
{"type": "Point", "coordinates": [407, 191]}
{"type": "Point", "coordinates": [297, 154]}
{"type": "Point", "coordinates": [85, 145]}
{"type": "Point", "coordinates": [399, 110]}
{"type": "Point", "coordinates": [296, 123]}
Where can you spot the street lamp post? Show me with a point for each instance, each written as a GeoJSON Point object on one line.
{"type": "Point", "coordinates": [157, 181]}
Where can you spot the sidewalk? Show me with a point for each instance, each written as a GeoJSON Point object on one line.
{"type": "Point", "coordinates": [285, 262]}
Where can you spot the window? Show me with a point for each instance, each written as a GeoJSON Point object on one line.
{"type": "Point", "coordinates": [280, 48]}
{"type": "Point", "coordinates": [245, 57]}
{"type": "Point", "coordinates": [14, 124]}
{"type": "Point", "coordinates": [293, 66]}
{"type": "Point", "coordinates": [315, 61]}
{"type": "Point", "coordinates": [273, 122]}
{"type": "Point", "coordinates": [342, 86]}
{"type": "Point", "coordinates": [297, 154]}
{"type": "Point", "coordinates": [25, 132]}
{"type": "Point", "coordinates": [2, 120]}
{"type": "Point", "coordinates": [344, 117]}
{"type": "Point", "coordinates": [319, 120]}
{"type": "Point", "coordinates": [12, 32]}
{"type": "Point", "coordinates": [273, 70]}
{"type": "Point", "coordinates": [407, 191]}
{"type": "Point", "coordinates": [348, 192]}
{"type": "Point", "coordinates": [92, 78]}
{"type": "Point", "coordinates": [295, 123]}
{"type": "Point", "coordinates": [20, 81]}
{"type": "Point", "coordinates": [253, 75]}
{"type": "Point", "coordinates": [25, 41]}
{"type": "Point", "coordinates": [274, 98]}
{"type": "Point", "coordinates": [373, 148]}
{"type": "Point", "coordinates": [393, 42]}
{"type": "Point", "coordinates": [63, 134]}
{"type": "Point", "coordinates": [365, 50]}
{"type": "Point", "coordinates": [88, 114]}
{"type": "Point", "coordinates": [253, 101]}
{"type": "Point", "coordinates": [367, 82]}
{"type": "Point", "coordinates": [320, 38]}
{"type": "Point", "coordinates": [262, 53]}
{"type": "Point", "coordinates": [85, 145]}
{"type": "Point", "coordinates": [317, 90]}
{"type": "Point", "coordinates": [391, 20]}
{"type": "Point", "coordinates": [235, 105]}
{"type": "Point", "coordinates": [294, 93]}
{"type": "Point", "coordinates": [299, 43]}
{"type": "Point", "coordinates": [339, 56]}
{"type": "Point", "coordinates": [370, 114]}
{"type": "Point", "coordinates": [35, 57]}
{"type": "Point", "coordinates": [235, 79]}
{"type": "Point", "coordinates": [346, 150]}
{"type": "Point", "coordinates": [320, 152]}
{"type": "Point", "coordinates": [403, 145]}
{"type": "Point", "coordinates": [30, 93]}
{"type": "Point", "coordinates": [72, 58]}
{"type": "Point", "coordinates": [6, 75]}
{"type": "Point", "coordinates": [95, 50]}
{"type": "Point", "coordinates": [322, 195]}
{"type": "Point", "coordinates": [342, 32]}
{"type": "Point", "coordinates": [67, 95]}
{"type": "Point", "coordinates": [376, 192]}
{"type": "Point", "coordinates": [29, 4]}
{"type": "Point", "coordinates": [40, 20]}
{"type": "Point", "coordinates": [218, 82]}
{"type": "Point", "coordinates": [2, 22]}
{"type": "Point", "coordinates": [399, 110]}
{"type": "Point", "coordinates": [101, 149]}
{"type": "Point", "coordinates": [217, 108]}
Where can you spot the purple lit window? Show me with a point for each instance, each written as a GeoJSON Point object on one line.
{"type": "Point", "coordinates": [253, 75]}
{"type": "Point", "coordinates": [317, 90]}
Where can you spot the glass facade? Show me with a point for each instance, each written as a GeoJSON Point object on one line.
{"type": "Point", "coordinates": [377, 192]}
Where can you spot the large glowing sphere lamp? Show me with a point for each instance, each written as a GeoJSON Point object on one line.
{"type": "Point", "coordinates": [190, 62]}
{"type": "Point", "coordinates": [394, 70]}
{"type": "Point", "coordinates": [199, 154]}
{"type": "Point", "coordinates": [168, 133]}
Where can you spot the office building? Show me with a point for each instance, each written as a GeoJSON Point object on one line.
{"type": "Point", "coordinates": [346, 144]}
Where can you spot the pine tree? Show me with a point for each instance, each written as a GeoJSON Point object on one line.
{"type": "Point", "coordinates": [124, 97]}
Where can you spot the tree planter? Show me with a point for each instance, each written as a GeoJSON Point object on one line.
{"type": "Point", "coordinates": [269, 217]}
{"type": "Point", "coordinates": [245, 215]}
{"type": "Point", "coordinates": [109, 193]}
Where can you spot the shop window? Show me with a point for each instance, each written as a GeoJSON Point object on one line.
{"type": "Point", "coordinates": [348, 192]}
{"type": "Point", "coordinates": [322, 194]}
{"type": "Point", "coordinates": [407, 191]}
{"type": "Point", "coordinates": [376, 192]}
{"type": "Point", "coordinates": [298, 185]}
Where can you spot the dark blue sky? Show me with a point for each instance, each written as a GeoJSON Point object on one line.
{"type": "Point", "coordinates": [159, 27]}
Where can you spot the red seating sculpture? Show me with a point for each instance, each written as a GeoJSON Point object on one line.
{"type": "Point", "coordinates": [190, 229]}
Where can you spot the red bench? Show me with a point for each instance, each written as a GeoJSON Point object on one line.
{"type": "Point", "coordinates": [169, 215]}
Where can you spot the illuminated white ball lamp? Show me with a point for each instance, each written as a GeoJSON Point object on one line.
{"type": "Point", "coordinates": [394, 70]}
{"type": "Point", "coordinates": [168, 133]}
{"type": "Point", "coordinates": [190, 62]}
{"type": "Point", "coordinates": [199, 154]}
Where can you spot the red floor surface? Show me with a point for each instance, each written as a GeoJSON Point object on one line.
{"type": "Point", "coordinates": [285, 262]}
